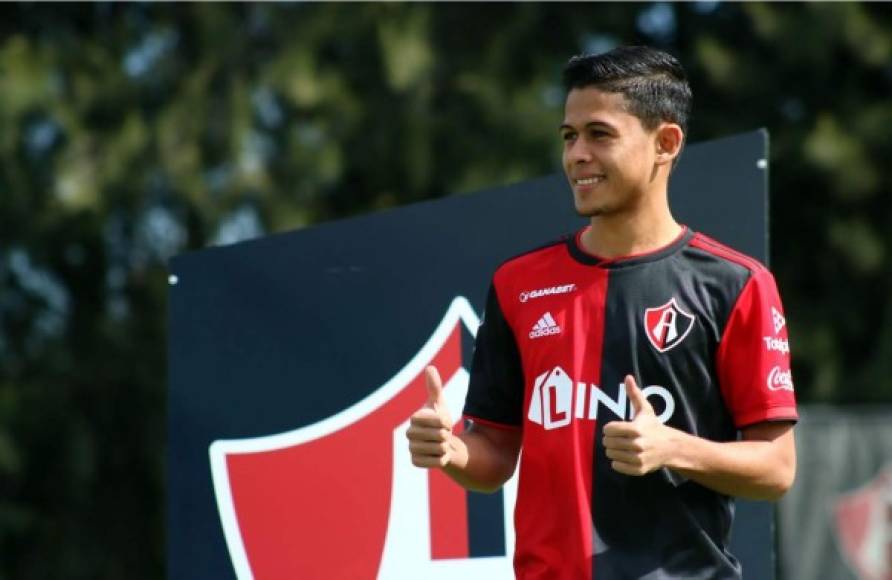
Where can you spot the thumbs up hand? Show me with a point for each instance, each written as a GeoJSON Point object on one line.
{"type": "Point", "coordinates": [639, 446]}
{"type": "Point", "coordinates": [431, 441]}
{"type": "Point", "coordinates": [435, 398]}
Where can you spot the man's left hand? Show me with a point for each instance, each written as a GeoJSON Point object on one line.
{"type": "Point", "coordinates": [641, 445]}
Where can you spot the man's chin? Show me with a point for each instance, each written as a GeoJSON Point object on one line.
{"type": "Point", "coordinates": [589, 212]}
{"type": "Point", "coordinates": [590, 205]}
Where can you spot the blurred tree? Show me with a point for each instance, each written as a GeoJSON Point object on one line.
{"type": "Point", "coordinates": [130, 132]}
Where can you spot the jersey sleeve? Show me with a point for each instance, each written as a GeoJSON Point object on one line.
{"type": "Point", "coordinates": [753, 358]}
{"type": "Point", "coordinates": [495, 391]}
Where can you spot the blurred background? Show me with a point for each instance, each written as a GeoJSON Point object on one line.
{"type": "Point", "coordinates": [130, 132]}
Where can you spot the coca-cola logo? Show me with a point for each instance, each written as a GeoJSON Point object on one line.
{"type": "Point", "coordinates": [780, 380]}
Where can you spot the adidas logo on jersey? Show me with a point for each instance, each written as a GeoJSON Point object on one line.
{"type": "Point", "coordinates": [545, 327]}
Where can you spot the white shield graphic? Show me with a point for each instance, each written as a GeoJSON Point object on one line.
{"type": "Point", "coordinates": [341, 499]}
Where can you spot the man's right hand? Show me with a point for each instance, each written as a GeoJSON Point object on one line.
{"type": "Point", "coordinates": [431, 441]}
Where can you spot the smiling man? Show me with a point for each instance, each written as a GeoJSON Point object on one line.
{"type": "Point", "coordinates": [642, 368]}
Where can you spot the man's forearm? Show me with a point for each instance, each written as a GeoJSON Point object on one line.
{"type": "Point", "coordinates": [751, 469]}
{"type": "Point", "coordinates": [481, 462]}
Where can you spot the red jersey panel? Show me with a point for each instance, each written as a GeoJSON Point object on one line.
{"type": "Point", "coordinates": [700, 327]}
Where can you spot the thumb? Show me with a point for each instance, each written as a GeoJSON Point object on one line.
{"type": "Point", "coordinates": [640, 404]}
{"type": "Point", "coordinates": [434, 388]}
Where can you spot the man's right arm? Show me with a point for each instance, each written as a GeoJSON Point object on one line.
{"type": "Point", "coordinates": [482, 458]}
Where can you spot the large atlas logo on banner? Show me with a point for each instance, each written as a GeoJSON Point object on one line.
{"type": "Point", "coordinates": [341, 499]}
{"type": "Point", "coordinates": [864, 527]}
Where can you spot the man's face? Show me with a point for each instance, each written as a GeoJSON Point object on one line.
{"type": "Point", "coordinates": [608, 155]}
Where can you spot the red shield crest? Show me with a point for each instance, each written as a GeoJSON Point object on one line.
{"type": "Point", "coordinates": [340, 498]}
{"type": "Point", "coordinates": [667, 325]}
{"type": "Point", "coordinates": [864, 527]}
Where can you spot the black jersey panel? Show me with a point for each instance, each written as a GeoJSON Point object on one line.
{"type": "Point", "coordinates": [664, 320]}
{"type": "Point", "coordinates": [495, 391]}
{"type": "Point", "coordinates": [716, 282]}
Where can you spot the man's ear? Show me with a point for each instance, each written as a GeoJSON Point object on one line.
{"type": "Point", "coordinates": [669, 140]}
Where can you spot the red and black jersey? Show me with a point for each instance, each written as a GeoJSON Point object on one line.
{"type": "Point", "coordinates": [702, 330]}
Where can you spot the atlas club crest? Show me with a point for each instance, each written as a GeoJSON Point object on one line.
{"type": "Point", "coordinates": [863, 519]}
{"type": "Point", "coordinates": [341, 499]}
{"type": "Point", "coordinates": [667, 325]}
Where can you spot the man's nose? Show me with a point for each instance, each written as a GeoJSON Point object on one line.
{"type": "Point", "coordinates": [578, 152]}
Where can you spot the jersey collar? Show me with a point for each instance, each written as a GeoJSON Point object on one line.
{"type": "Point", "coordinates": [580, 255]}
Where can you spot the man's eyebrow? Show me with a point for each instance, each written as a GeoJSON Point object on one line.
{"type": "Point", "coordinates": [589, 125]}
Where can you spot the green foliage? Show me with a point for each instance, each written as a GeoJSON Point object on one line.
{"type": "Point", "coordinates": [130, 132]}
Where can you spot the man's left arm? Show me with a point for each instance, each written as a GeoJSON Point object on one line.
{"type": "Point", "coordinates": [761, 466]}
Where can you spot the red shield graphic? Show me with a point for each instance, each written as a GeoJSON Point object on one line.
{"type": "Point", "coordinates": [864, 527]}
{"type": "Point", "coordinates": [318, 502]}
{"type": "Point", "coordinates": [667, 325]}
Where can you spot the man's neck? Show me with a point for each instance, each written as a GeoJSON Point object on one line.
{"type": "Point", "coordinates": [625, 234]}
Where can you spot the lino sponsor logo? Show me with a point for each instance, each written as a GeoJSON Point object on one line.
{"type": "Point", "coordinates": [780, 380]}
{"type": "Point", "coordinates": [556, 400]}
{"type": "Point", "coordinates": [781, 345]}
{"type": "Point", "coordinates": [527, 295]}
{"type": "Point", "coordinates": [545, 327]}
{"type": "Point", "coordinates": [777, 319]}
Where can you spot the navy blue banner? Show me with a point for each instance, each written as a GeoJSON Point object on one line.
{"type": "Point", "coordinates": [293, 360]}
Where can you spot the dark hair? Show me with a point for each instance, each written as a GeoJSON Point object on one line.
{"type": "Point", "coordinates": [653, 82]}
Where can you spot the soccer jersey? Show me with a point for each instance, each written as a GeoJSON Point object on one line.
{"type": "Point", "coordinates": [702, 330]}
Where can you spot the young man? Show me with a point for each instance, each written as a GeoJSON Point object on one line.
{"type": "Point", "coordinates": [624, 360]}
